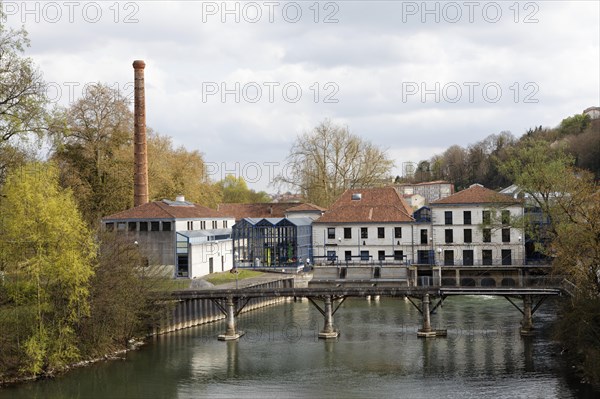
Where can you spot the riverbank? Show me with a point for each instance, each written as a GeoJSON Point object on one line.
{"type": "Point", "coordinates": [248, 280]}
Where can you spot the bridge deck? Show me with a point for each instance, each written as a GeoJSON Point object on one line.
{"type": "Point", "coordinates": [362, 292]}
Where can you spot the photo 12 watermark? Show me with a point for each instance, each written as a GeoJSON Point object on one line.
{"type": "Point", "coordinates": [66, 93]}
{"type": "Point", "coordinates": [251, 172]}
{"type": "Point", "coordinates": [271, 92]}
{"type": "Point", "coordinates": [252, 12]}
{"type": "Point", "coordinates": [54, 12]}
{"type": "Point", "coordinates": [453, 12]}
{"type": "Point", "coordinates": [469, 92]}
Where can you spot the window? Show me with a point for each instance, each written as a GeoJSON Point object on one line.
{"type": "Point", "coordinates": [348, 256]}
{"type": "Point", "coordinates": [467, 217]}
{"type": "Point", "coordinates": [331, 233]}
{"type": "Point", "coordinates": [424, 236]}
{"type": "Point", "coordinates": [377, 272]}
{"type": "Point", "coordinates": [506, 257]}
{"type": "Point", "coordinates": [468, 235]}
{"type": "Point", "coordinates": [505, 217]}
{"type": "Point", "coordinates": [398, 255]}
{"type": "Point", "coordinates": [423, 257]}
{"type": "Point", "coordinates": [214, 224]}
{"type": "Point", "coordinates": [487, 217]}
{"type": "Point", "coordinates": [486, 257]}
{"type": "Point", "coordinates": [143, 226]}
{"type": "Point", "coordinates": [505, 235]}
{"type": "Point", "coordinates": [190, 225]}
{"type": "Point", "coordinates": [154, 226]}
{"type": "Point", "coordinates": [487, 235]}
{"type": "Point", "coordinates": [381, 232]}
{"type": "Point", "coordinates": [203, 225]}
{"type": "Point", "coordinates": [381, 255]}
{"type": "Point", "coordinates": [224, 224]}
{"type": "Point", "coordinates": [132, 226]}
{"type": "Point", "coordinates": [448, 217]}
{"type": "Point", "coordinates": [331, 256]}
{"type": "Point", "coordinates": [364, 255]}
{"type": "Point", "coordinates": [397, 232]}
{"type": "Point", "coordinates": [110, 226]}
{"type": "Point", "coordinates": [468, 257]}
{"type": "Point", "coordinates": [364, 232]}
{"type": "Point", "coordinates": [449, 236]}
{"type": "Point", "coordinates": [166, 226]}
{"type": "Point", "coordinates": [448, 258]}
{"type": "Point", "coordinates": [347, 232]}
{"type": "Point", "coordinates": [121, 226]}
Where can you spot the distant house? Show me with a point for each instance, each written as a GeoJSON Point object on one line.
{"type": "Point", "coordinates": [259, 210]}
{"type": "Point", "coordinates": [364, 226]}
{"type": "Point", "coordinates": [305, 210]}
{"type": "Point", "coordinates": [474, 227]}
{"type": "Point", "coordinates": [185, 239]}
{"type": "Point", "coordinates": [431, 191]}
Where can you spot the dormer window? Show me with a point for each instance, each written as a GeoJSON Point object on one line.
{"type": "Point", "coordinates": [356, 197]}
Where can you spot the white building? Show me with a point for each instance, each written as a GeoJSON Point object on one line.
{"type": "Point", "coordinates": [186, 239]}
{"type": "Point", "coordinates": [474, 227]}
{"type": "Point", "coordinates": [370, 225]}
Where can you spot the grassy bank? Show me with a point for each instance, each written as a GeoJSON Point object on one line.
{"type": "Point", "coordinates": [228, 277]}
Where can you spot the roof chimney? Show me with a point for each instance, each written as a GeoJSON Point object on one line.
{"type": "Point", "coordinates": [140, 188]}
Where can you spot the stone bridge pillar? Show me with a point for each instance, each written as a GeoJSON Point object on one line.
{"type": "Point", "coordinates": [426, 331]}
{"type": "Point", "coordinates": [230, 333]}
{"type": "Point", "coordinates": [328, 330]}
{"type": "Point", "coordinates": [527, 322]}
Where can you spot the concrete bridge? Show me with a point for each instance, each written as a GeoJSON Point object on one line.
{"type": "Point", "coordinates": [328, 292]}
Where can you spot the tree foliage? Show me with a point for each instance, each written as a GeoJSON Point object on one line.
{"type": "Point", "coordinates": [235, 190]}
{"type": "Point", "coordinates": [94, 152]}
{"type": "Point", "coordinates": [325, 162]}
{"type": "Point", "coordinates": [22, 90]}
{"type": "Point", "coordinates": [47, 252]}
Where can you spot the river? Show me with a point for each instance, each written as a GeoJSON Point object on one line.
{"type": "Point", "coordinates": [377, 355]}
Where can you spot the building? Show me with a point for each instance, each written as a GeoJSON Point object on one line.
{"type": "Point", "coordinates": [431, 191]}
{"type": "Point", "coordinates": [305, 210]}
{"type": "Point", "coordinates": [277, 243]}
{"type": "Point", "coordinates": [369, 225]}
{"type": "Point", "coordinates": [475, 227]}
{"type": "Point", "coordinates": [257, 211]}
{"type": "Point", "coordinates": [182, 238]}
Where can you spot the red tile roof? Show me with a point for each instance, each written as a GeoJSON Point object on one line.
{"type": "Point", "coordinates": [477, 194]}
{"type": "Point", "coordinates": [376, 205]}
{"type": "Point", "coordinates": [306, 207]}
{"type": "Point", "coordinates": [261, 210]}
{"type": "Point", "coordinates": [163, 210]}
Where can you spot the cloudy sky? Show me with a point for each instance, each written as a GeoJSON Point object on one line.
{"type": "Point", "coordinates": [239, 81]}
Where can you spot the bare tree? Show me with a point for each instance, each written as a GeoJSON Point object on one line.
{"type": "Point", "coordinates": [328, 160]}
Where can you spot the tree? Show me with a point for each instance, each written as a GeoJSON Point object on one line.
{"type": "Point", "coordinates": [22, 90]}
{"type": "Point", "coordinates": [173, 172]}
{"type": "Point", "coordinates": [94, 152]}
{"type": "Point", "coordinates": [323, 163]}
{"type": "Point", "coordinates": [235, 190]}
{"type": "Point", "coordinates": [47, 251]}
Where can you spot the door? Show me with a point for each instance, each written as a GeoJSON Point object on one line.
{"type": "Point", "coordinates": [210, 265]}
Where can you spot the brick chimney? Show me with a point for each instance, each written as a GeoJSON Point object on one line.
{"type": "Point", "coordinates": [140, 182]}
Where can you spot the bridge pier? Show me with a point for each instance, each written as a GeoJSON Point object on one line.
{"type": "Point", "coordinates": [527, 322]}
{"type": "Point", "coordinates": [426, 331]}
{"type": "Point", "coordinates": [230, 333]}
{"type": "Point", "coordinates": [328, 330]}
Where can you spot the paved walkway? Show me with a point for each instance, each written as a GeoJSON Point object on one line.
{"type": "Point", "coordinates": [301, 279]}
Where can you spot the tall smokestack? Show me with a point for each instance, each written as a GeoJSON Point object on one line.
{"type": "Point", "coordinates": [140, 189]}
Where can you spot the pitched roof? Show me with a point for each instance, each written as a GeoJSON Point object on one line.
{"type": "Point", "coordinates": [477, 194]}
{"type": "Point", "coordinates": [167, 210]}
{"type": "Point", "coordinates": [261, 210]}
{"type": "Point", "coordinates": [306, 208]}
{"type": "Point", "coordinates": [382, 204]}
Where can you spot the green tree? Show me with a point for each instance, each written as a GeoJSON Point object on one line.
{"type": "Point", "coordinates": [235, 190]}
{"type": "Point", "coordinates": [325, 162]}
{"type": "Point", "coordinates": [47, 251]}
